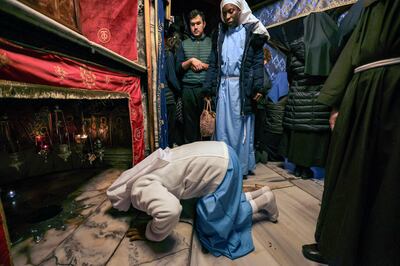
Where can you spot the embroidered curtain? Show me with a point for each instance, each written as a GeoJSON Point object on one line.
{"type": "Point", "coordinates": [111, 24]}
{"type": "Point", "coordinates": [285, 10]}
{"type": "Point", "coordinates": [25, 65]}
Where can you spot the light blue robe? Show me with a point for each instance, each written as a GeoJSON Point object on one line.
{"type": "Point", "coordinates": [232, 127]}
{"type": "Point", "coordinates": [224, 218]}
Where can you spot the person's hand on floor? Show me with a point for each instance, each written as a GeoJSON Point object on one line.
{"type": "Point", "coordinates": [137, 232]}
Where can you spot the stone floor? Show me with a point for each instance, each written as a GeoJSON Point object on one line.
{"type": "Point", "coordinates": [97, 235]}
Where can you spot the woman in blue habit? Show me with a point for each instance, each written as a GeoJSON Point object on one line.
{"type": "Point", "coordinates": [236, 76]}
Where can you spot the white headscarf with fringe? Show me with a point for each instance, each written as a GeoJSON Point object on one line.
{"type": "Point", "coordinates": [246, 16]}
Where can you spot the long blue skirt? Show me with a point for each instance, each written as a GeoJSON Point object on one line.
{"type": "Point", "coordinates": [232, 127]}
{"type": "Point", "coordinates": [224, 218]}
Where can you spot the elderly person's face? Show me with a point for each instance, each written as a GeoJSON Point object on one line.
{"type": "Point", "coordinates": [231, 14]}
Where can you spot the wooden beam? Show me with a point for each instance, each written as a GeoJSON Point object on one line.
{"type": "Point", "coordinates": [150, 105]}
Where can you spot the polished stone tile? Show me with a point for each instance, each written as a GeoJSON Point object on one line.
{"type": "Point", "coordinates": [30, 253]}
{"type": "Point", "coordinates": [94, 242]}
{"type": "Point", "coordinates": [174, 250]}
{"type": "Point", "coordinates": [102, 181]}
{"type": "Point", "coordinates": [87, 200]}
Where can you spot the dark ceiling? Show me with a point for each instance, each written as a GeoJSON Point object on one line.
{"type": "Point", "coordinates": [181, 8]}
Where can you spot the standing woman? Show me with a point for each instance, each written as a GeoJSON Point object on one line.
{"type": "Point", "coordinates": [173, 91]}
{"type": "Point", "coordinates": [236, 76]}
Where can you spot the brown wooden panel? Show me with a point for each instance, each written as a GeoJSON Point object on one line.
{"type": "Point", "coordinates": [63, 11]}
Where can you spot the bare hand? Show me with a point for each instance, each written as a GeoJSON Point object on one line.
{"type": "Point", "coordinates": [205, 66]}
{"type": "Point", "coordinates": [137, 232]}
{"type": "Point", "coordinates": [333, 117]}
{"type": "Point", "coordinates": [257, 97]}
{"type": "Point", "coordinates": [196, 65]}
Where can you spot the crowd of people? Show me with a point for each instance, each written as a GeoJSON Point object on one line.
{"type": "Point", "coordinates": [341, 115]}
{"type": "Point", "coordinates": [228, 68]}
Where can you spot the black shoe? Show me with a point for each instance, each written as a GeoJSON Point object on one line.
{"type": "Point", "coordinates": [204, 250]}
{"type": "Point", "coordinates": [258, 156]}
{"type": "Point", "coordinates": [245, 177]}
{"type": "Point", "coordinates": [307, 173]}
{"type": "Point", "coordinates": [264, 157]}
{"type": "Point", "coordinates": [297, 171]}
{"type": "Point", "coordinates": [312, 252]}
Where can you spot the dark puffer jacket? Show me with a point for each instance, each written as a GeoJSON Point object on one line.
{"type": "Point", "coordinates": [251, 72]}
{"type": "Point", "coordinates": [303, 112]}
{"type": "Point", "coordinates": [275, 114]}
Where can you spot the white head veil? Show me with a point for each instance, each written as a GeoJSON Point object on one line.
{"type": "Point", "coordinates": [246, 16]}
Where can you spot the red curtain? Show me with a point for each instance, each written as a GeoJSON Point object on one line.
{"type": "Point", "coordinates": [111, 23]}
{"type": "Point", "coordinates": [30, 66]}
{"type": "Point", "coordinates": [5, 258]}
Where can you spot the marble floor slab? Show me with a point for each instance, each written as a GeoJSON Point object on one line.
{"type": "Point", "coordinates": [88, 198]}
{"type": "Point", "coordinates": [97, 235]}
{"type": "Point", "coordinates": [174, 250]}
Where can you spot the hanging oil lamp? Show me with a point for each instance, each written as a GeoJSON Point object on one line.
{"type": "Point", "coordinates": [15, 157]}
{"type": "Point", "coordinates": [98, 149]}
{"type": "Point", "coordinates": [44, 151]}
{"type": "Point", "coordinates": [16, 161]}
{"type": "Point", "coordinates": [91, 156]}
{"type": "Point", "coordinates": [64, 149]}
{"type": "Point", "coordinates": [80, 140]}
{"type": "Point", "coordinates": [42, 143]}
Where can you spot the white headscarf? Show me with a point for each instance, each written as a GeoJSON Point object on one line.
{"type": "Point", "coordinates": [246, 16]}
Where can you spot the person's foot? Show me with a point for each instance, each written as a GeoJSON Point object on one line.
{"type": "Point", "coordinates": [271, 207]}
{"type": "Point", "coordinates": [312, 252]}
{"type": "Point", "coordinates": [244, 177]}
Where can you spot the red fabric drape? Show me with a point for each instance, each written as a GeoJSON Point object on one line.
{"type": "Point", "coordinates": [5, 258]}
{"type": "Point", "coordinates": [111, 23]}
{"type": "Point", "coordinates": [30, 66]}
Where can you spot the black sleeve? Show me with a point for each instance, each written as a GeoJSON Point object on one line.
{"type": "Point", "coordinates": [258, 65]}
{"type": "Point", "coordinates": [210, 83]}
{"type": "Point", "coordinates": [180, 58]}
{"type": "Point", "coordinates": [172, 80]}
{"type": "Point", "coordinates": [267, 81]}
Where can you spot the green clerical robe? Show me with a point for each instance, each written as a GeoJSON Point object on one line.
{"type": "Point", "coordinates": [359, 221]}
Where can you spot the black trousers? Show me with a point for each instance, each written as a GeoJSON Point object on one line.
{"type": "Point", "coordinates": [175, 128]}
{"type": "Point", "coordinates": [193, 103]}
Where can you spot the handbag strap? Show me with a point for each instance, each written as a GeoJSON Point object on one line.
{"type": "Point", "coordinates": [207, 105]}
